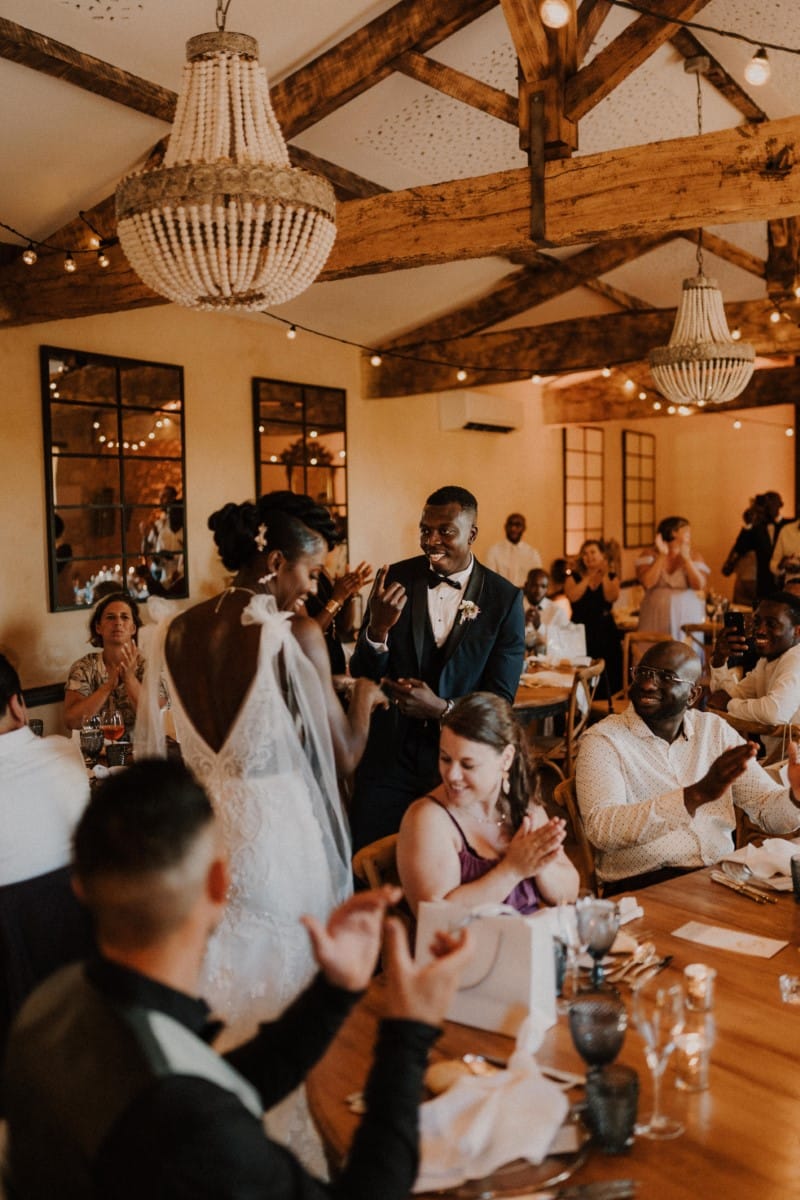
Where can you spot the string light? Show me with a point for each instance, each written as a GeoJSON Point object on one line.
{"type": "Point", "coordinates": [737, 424]}
{"type": "Point", "coordinates": [376, 360]}
{"type": "Point", "coordinates": [789, 432]}
{"type": "Point", "coordinates": [69, 263]}
{"type": "Point", "coordinates": [606, 372]}
{"type": "Point", "coordinates": [657, 406]}
{"type": "Point", "coordinates": [736, 334]}
{"type": "Point", "coordinates": [461, 375]}
{"type": "Point", "coordinates": [642, 395]}
{"type": "Point", "coordinates": [554, 13]}
{"type": "Point", "coordinates": [758, 71]}
{"type": "Point", "coordinates": [103, 260]}
{"type": "Point", "coordinates": [668, 19]}
{"type": "Point", "coordinates": [775, 316]}
{"type": "Point", "coordinates": [536, 379]}
{"type": "Point", "coordinates": [291, 332]}
{"type": "Point", "coordinates": [629, 385]}
{"type": "Point", "coordinates": [97, 246]}
{"type": "Point", "coordinates": [29, 255]}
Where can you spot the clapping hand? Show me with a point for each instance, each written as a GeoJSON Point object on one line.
{"type": "Point", "coordinates": [385, 606]}
{"type": "Point", "coordinates": [351, 582]}
{"type": "Point", "coordinates": [793, 771]}
{"type": "Point", "coordinates": [346, 949]}
{"type": "Point", "coordinates": [531, 848]}
{"type": "Point", "coordinates": [418, 992]}
{"type": "Point", "coordinates": [721, 774]}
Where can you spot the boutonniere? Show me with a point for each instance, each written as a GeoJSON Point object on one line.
{"type": "Point", "coordinates": [467, 611]}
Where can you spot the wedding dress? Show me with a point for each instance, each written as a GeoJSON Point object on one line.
{"type": "Point", "coordinates": [273, 786]}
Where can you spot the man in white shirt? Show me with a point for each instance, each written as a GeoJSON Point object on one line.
{"type": "Point", "coordinates": [770, 693]}
{"type": "Point", "coordinates": [657, 785]}
{"type": "Point", "coordinates": [43, 790]}
{"type": "Point", "coordinates": [786, 554]}
{"type": "Point", "coordinates": [540, 612]}
{"type": "Point", "coordinates": [512, 558]}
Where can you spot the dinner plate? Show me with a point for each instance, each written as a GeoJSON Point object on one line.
{"type": "Point", "coordinates": [520, 1177]}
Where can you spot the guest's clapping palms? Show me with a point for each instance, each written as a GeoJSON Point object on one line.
{"type": "Point", "coordinates": [346, 949]}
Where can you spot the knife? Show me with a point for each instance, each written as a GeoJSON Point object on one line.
{"type": "Point", "coordinates": [742, 889]}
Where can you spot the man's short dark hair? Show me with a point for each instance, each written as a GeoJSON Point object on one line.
{"type": "Point", "coordinates": [788, 600]}
{"type": "Point", "coordinates": [10, 685]}
{"type": "Point", "coordinates": [451, 494]}
{"type": "Point", "coordinates": [132, 849]}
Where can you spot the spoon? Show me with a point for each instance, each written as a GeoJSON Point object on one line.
{"type": "Point", "coordinates": [642, 954]}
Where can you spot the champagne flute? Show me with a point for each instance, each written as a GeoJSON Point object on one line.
{"type": "Point", "coordinates": [659, 1016]}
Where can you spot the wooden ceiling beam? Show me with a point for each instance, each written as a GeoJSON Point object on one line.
{"type": "Point", "coordinates": [688, 45]}
{"type": "Point", "coordinates": [616, 295]}
{"type": "Point", "coordinates": [601, 400]}
{"type": "Point", "coordinates": [491, 100]}
{"type": "Point", "coordinates": [528, 35]}
{"type": "Point", "coordinates": [743, 259]}
{"type": "Point", "coordinates": [523, 290]}
{"type": "Point", "coordinates": [346, 184]}
{"type": "Point", "coordinates": [733, 175]}
{"type": "Point", "coordinates": [621, 58]}
{"type": "Point", "coordinates": [364, 58]}
{"type": "Point", "coordinates": [591, 15]}
{"type": "Point", "coordinates": [783, 237]}
{"type": "Point", "coordinates": [562, 346]}
{"type": "Point", "coordinates": [44, 54]}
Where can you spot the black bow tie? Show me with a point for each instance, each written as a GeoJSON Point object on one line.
{"type": "Point", "coordinates": [435, 580]}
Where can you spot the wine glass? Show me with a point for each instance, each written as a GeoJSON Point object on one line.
{"type": "Point", "coordinates": [597, 1022]}
{"type": "Point", "coordinates": [598, 922]}
{"type": "Point", "coordinates": [91, 741]}
{"type": "Point", "coordinates": [567, 935]}
{"type": "Point", "coordinates": [659, 1016]}
{"type": "Point", "coordinates": [112, 724]}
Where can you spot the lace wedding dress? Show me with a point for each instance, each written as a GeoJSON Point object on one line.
{"type": "Point", "coordinates": [273, 786]}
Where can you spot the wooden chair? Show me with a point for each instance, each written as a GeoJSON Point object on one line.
{"type": "Point", "coordinates": [619, 701]}
{"type": "Point", "coordinates": [559, 752]}
{"type": "Point", "coordinates": [566, 797]}
{"type": "Point", "coordinates": [376, 863]}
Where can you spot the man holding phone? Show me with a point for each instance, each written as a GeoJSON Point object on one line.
{"type": "Point", "coordinates": [770, 693]}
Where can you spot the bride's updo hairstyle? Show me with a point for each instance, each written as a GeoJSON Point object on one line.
{"type": "Point", "coordinates": [488, 719]}
{"type": "Point", "coordinates": [236, 527]}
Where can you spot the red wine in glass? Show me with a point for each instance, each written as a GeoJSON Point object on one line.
{"type": "Point", "coordinates": [113, 726]}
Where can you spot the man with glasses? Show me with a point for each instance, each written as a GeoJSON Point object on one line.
{"type": "Point", "coordinates": [658, 784]}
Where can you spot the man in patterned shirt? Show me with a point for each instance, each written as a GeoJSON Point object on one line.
{"type": "Point", "coordinates": [657, 785]}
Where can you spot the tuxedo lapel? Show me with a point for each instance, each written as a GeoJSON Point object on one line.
{"type": "Point", "coordinates": [473, 592]}
{"type": "Point", "coordinates": [419, 617]}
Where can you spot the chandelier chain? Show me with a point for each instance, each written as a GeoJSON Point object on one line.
{"type": "Point", "coordinates": [222, 14]}
{"type": "Point", "coordinates": [699, 133]}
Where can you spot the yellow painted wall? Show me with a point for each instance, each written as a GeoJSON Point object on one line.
{"type": "Point", "coordinates": [397, 454]}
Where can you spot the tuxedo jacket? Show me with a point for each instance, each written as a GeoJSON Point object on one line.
{"type": "Point", "coordinates": [484, 653]}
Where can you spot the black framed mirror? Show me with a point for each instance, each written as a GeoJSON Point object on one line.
{"type": "Point", "coordinates": [114, 476]}
{"type": "Point", "coordinates": [300, 438]}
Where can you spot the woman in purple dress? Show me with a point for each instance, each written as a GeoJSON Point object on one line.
{"type": "Point", "coordinates": [482, 837]}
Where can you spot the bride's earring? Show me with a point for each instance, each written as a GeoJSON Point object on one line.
{"type": "Point", "coordinates": [268, 578]}
{"type": "Point", "coordinates": [505, 785]}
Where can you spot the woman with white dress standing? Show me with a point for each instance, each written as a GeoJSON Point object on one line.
{"type": "Point", "coordinates": [262, 729]}
{"type": "Point", "coordinates": [672, 574]}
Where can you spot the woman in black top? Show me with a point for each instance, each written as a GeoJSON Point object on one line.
{"type": "Point", "coordinates": [591, 590]}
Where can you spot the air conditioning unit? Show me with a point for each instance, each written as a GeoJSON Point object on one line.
{"type": "Point", "coordinates": [480, 411]}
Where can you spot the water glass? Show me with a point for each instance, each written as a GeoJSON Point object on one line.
{"type": "Point", "coordinates": [692, 1056]}
{"type": "Point", "coordinates": [118, 754]}
{"type": "Point", "coordinates": [699, 987]}
{"type": "Point", "coordinates": [612, 1100]}
{"type": "Point", "coordinates": [597, 1023]}
{"type": "Point", "coordinates": [91, 740]}
{"type": "Point", "coordinates": [598, 923]}
{"type": "Point", "coordinates": [659, 1015]}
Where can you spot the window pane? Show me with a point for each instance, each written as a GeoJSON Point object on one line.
{"type": "Point", "coordinates": [150, 386]}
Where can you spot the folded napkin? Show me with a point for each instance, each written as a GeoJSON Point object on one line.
{"type": "Point", "coordinates": [485, 1121]}
{"type": "Point", "coordinates": [770, 861]}
{"type": "Point", "coordinates": [563, 679]}
{"type": "Point", "coordinates": [629, 909]}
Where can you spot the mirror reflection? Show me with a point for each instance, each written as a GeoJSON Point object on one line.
{"type": "Point", "coordinates": [114, 466]}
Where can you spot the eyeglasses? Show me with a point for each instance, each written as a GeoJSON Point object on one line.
{"type": "Point", "coordinates": [656, 675]}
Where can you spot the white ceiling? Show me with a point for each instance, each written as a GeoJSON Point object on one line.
{"type": "Point", "coordinates": [64, 149]}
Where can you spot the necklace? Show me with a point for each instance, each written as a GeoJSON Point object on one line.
{"type": "Point", "coordinates": [487, 820]}
{"type": "Point", "coordinates": [235, 587]}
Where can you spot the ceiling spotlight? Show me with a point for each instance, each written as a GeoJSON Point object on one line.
{"type": "Point", "coordinates": [69, 263]}
{"type": "Point", "coordinates": [291, 332]}
{"type": "Point", "coordinates": [757, 71]}
{"type": "Point", "coordinates": [376, 360]}
{"type": "Point", "coordinates": [102, 259]}
{"type": "Point", "coordinates": [555, 13]}
{"type": "Point", "coordinates": [606, 372]}
{"type": "Point", "coordinates": [775, 316]}
{"type": "Point", "coordinates": [29, 255]}
{"type": "Point", "coordinates": [461, 375]}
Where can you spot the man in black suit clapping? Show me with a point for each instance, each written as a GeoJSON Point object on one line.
{"type": "Point", "coordinates": [440, 626]}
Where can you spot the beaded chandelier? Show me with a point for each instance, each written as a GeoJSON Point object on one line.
{"type": "Point", "coordinates": [702, 363]}
{"type": "Point", "coordinates": [225, 222]}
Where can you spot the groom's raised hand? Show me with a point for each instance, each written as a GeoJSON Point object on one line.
{"type": "Point", "coordinates": [347, 948]}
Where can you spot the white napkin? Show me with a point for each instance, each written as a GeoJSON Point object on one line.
{"type": "Point", "coordinates": [770, 861]}
{"type": "Point", "coordinates": [485, 1121]}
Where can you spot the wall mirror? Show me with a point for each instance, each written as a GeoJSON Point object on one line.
{"type": "Point", "coordinates": [114, 476]}
{"type": "Point", "coordinates": [300, 434]}
{"type": "Point", "coordinates": [639, 487]}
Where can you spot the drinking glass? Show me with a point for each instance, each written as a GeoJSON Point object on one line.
{"type": "Point", "coordinates": [112, 724]}
{"type": "Point", "coordinates": [659, 1016]}
{"type": "Point", "coordinates": [566, 934]}
{"type": "Point", "coordinates": [597, 1022]}
{"type": "Point", "coordinates": [598, 922]}
{"type": "Point", "coordinates": [91, 741]}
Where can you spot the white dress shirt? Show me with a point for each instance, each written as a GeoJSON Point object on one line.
{"type": "Point", "coordinates": [552, 613]}
{"type": "Point", "coordinates": [630, 792]}
{"type": "Point", "coordinates": [786, 546]}
{"type": "Point", "coordinates": [513, 560]}
{"type": "Point", "coordinates": [44, 789]}
{"type": "Point", "coordinates": [769, 694]}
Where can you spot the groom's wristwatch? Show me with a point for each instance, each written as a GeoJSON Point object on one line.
{"type": "Point", "coordinates": [449, 705]}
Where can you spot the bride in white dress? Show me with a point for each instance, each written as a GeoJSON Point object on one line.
{"type": "Point", "coordinates": [262, 729]}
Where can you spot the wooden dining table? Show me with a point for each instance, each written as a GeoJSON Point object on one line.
{"type": "Point", "coordinates": [536, 701]}
{"type": "Point", "coordinates": [742, 1135]}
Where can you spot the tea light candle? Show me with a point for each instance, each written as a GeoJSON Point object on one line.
{"type": "Point", "coordinates": [699, 986]}
{"type": "Point", "coordinates": [691, 1062]}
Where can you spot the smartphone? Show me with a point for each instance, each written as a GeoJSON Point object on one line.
{"type": "Point", "coordinates": [735, 622]}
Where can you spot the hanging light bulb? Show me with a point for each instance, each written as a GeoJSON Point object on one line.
{"type": "Point", "coordinates": [103, 260]}
{"type": "Point", "coordinates": [376, 360]}
{"type": "Point", "coordinates": [606, 372]}
{"type": "Point", "coordinates": [461, 375]}
{"type": "Point", "coordinates": [758, 70]}
{"type": "Point", "coordinates": [291, 333]}
{"type": "Point", "coordinates": [775, 316]}
{"type": "Point", "coordinates": [555, 13]}
{"type": "Point", "coordinates": [69, 263]}
{"type": "Point", "coordinates": [29, 255]}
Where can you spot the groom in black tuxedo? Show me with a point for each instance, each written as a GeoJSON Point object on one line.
{"type": "Point", "coordinates": [440, 626]}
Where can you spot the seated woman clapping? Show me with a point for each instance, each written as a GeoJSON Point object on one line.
{"type": "Point", "coordinates": [482, 837]}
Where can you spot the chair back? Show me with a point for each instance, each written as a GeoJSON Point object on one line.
{"type": "Point", "coordinates": [566, 797]}
{"type": "Point", "coordinates": [584, 686]}
{"type": "Point", "coordinates": [42, 927]}
{"type": "Point", "coordinates": [376, 863]}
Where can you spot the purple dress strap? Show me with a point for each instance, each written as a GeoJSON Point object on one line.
{"type": "Point", "coordinates": [524, 897]}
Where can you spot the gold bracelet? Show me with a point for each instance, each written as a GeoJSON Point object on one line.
{"type": "Point", "coordinates": [333, 607]}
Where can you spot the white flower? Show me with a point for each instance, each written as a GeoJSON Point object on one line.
{"type": "Point", "coordinates": [260, 538]}
{"type": "Point", "coordinates": [467, 611]}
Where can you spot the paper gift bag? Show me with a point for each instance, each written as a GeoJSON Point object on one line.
{"type": "Point", "coordinates": [566, 642]}
{"type": "Point", "coordinates": [512, 971]}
